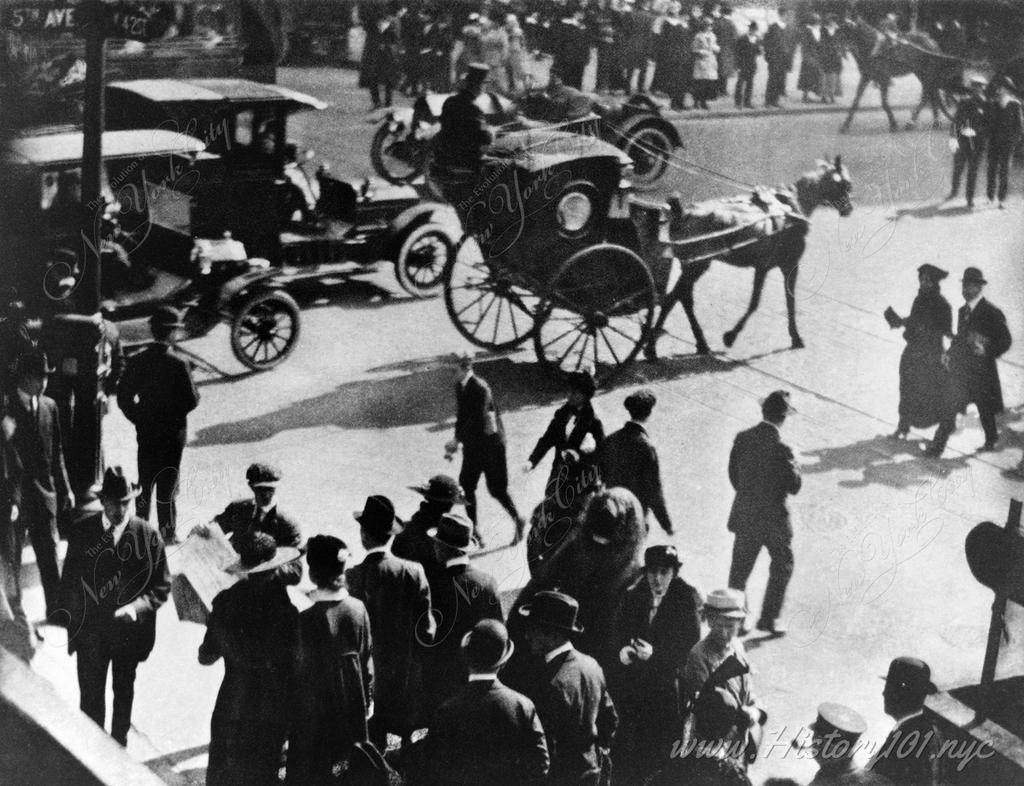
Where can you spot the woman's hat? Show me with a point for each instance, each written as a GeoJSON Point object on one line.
{"type": "Point", "coordinates": [972, 275]}
{"type": "Point", "coordinates": [454, 531]}
{"type": "Point", "coordinates": [662, 557]}
{"type": "Point", "coordinates": [117, 487]}
{"type": "Point", "coordinates": [326, 555]}
{"type": "Point", "coordinates": [377, 515]}
{"type": "Point", "coordinates": [933, 272]}
{"type": "Point", "coordinates": [487, 646]}
{"type": "Point", "coordinates": [440, 488]}
{"type": "Point", "coordinates": [553, 610]}
{"type": "Point", "coordinates": [258, 552]}
{"type": "Point", "coordinates": [727, 603]}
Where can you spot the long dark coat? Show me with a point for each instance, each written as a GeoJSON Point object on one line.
{"type": "Point", "coordinates": [763, 472]}
{"type": "Point", "coordinates": [924, 381]}
{"type": "Point", "coordinates": [810, 66]}
{"type": "Point", "coordinates": [156, 393]}
{"type": "Point", "coordinates": [381, 61]}
{"type": "Point", "coordinates": [333, 689]}
{"type": "Point", "coordinates": [976, 377]}
{"type": "Point", "coordinates": [397, 599]}
{"type": "Point", "coordinates": [629, 459]}
{"type": "Point", "coordinates": [37, 441]}
{"type": "Point", "coordinates": [647, 692]}
{"type": "Point", "coordinates": [560, 437]}
{"type": "Point", "coordinates": [671, 56]}
{"type": "Point", "coordinates": [255, 628]}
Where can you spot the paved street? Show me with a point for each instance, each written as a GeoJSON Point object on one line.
{"type": "Point", "coordinates": [365, 406]}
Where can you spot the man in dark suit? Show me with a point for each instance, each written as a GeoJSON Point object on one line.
{"type": "Point", "coordinates": [1005, 131]}
{"type": "Point", "coordinates": [981, 338]}
{"type": "Point", "coordinates": [45, 488]}
{"type": "Point", "coordinates": [968, 134]}
{"type": "Point", "coordinates": [905, 763]}
{"type": "Point", "coordinates": [156, 394]}
{"type": "Point", "coordinates": [778, 52]}
{"type": "Point", "coordinates": [115, 578]}
{"type": "Point", "coordinates": [261, 514]}
{"type": "Point", "coordinates": [478, 429]}
{"type": "Point", "coordinates": [763, 472]}
{"type": "Point", "coordinates": [628, 459]}
{"type": "Point", "coordinates": [440, 494]}
{"type": "Point", "coordinates": [570, 692]}
{"type": "Point", "coordinates": [486, 732]}
{"type": "Point", "coordinates": [397, 598]}
{"type": "Point", "coordinates": [460, 596]}
{"type": "Point", "coordinates": [464, 134]}
{"type": "Point", "coordinates": [15, 633]}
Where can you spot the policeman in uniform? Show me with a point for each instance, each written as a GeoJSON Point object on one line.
{"type": "Point", "coordinates": [836, 736]}
{"type": "Point", "coordinates": [967, 138]}
{"type": "Point", "coordinates": [156, 394]}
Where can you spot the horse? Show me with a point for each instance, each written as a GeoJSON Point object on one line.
{"type": "Point", "coordinates": [913, 53]}
{"type": "Point", "coordinates": [829, 184]}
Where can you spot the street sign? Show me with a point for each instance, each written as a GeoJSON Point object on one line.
{"type": "Point", "coordinates": [137, 21]}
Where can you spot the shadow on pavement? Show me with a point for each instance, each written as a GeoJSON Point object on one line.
{"type": "Point", "coordinates": [882, 460]}
{"type": "Point", "coordinates": [932, 210]}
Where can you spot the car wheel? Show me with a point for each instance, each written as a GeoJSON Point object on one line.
{"type": "Point", "coordinates": [422, 258]}
{"type": "Point", "coordinates": [650, 148]}
{"type": "Point", "coordinates": [265, 329]}
{"type": "Point", "coordinates": [394, 156]}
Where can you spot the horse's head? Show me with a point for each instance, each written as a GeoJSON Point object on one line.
{"type": "Point", "coordinates": [829, 184]}
{"type": "Point", "coordinates": [859, 36]}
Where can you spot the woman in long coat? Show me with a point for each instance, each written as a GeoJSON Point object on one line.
{"type": "Point", "coordinates": [705, 64]}
{"type": "Point", "coordinates": [924, 381]}
{"type": "Point", "coordinates": [670, 75]}
{"type": "Point", "coordinates": [335, 675]}
{"type": "Point", "coordinates": [254, 627]}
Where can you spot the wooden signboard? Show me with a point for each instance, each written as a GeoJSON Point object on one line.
{"type": "Point", "coordinates": [198, 569]}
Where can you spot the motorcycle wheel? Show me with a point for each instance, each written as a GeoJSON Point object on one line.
{"type": "Point", "coordinates": [265, 329]}
{"type": "Point", "coordinates": [393, 157]}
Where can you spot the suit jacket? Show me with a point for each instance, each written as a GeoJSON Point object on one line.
{"type": "Point", "coordinates": [578, 715]}
{"type": "Point", "coordinates": [976, 377]}
{"type": "Point", "coordinates": [397, 599]}
{"type": "Point", "coordinates": [486, 733]}
{"type": "Point", "coordinates": [240, 517]}
{"type": "Point", "coordinates": [747, 52]}
{"type": "Point", "coordinates": [476, 414]}
{"type": "Point", "coordinates": [37, 441]}
{"type": "Point", "coordinates": [629, 459]}
{"type": "Point", "coordinates": [922, 766]}
{"type": "Point", "coordinates": [99, 577]}
{"type": "Point", "coordinates": [778, 47]}
{"type": "Point", "coordinates": [464, 132]}
{"type": "Point", "coordinates": [763, 472]}
{"type": "Point", "coordinates": [556, 436]}
{"type": "Point", "coordinates": [156, 392]}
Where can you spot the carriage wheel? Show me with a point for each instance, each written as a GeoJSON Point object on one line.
{"type": "Point", "coordinates": [265, 329]}
{"type": "Point", "coordinates": [421, 260]}
{"type": "Point", "coordinates": [486, 304]}
{"type": "Point", "coordinates": [650, 148]}
{"type": "Point", "coordinates": [598, 313]}
{"type": "Point", "coordinates": [394, 157]}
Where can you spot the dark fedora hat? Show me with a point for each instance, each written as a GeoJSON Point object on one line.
{"type": "Point", "coordinates": [166, 317]}
{"type": "Point", "coordinates": [454, 531]}
{"type": "Point", "coordinates": [582, 381]}
{"type": "Point", "coordinates": [116, 486]}
{"type": "Point", "coordinates": [33, 364]}
{"type": "Point", "coordinates": [662, 557]}
{"type": "Point", "coordinates": [972, 275]}
{"type": "Point", "coordinates": [911, 675]}
{"type": "Point", "coordinates": [377, 515]}
{"type": "Point", "coordinates": [553, 610]}
{"type": "Point", "coordinates": [440, 488]}
{"type": "Point", "coordinates": [487, 645]}
{"type": "Point", "coordinates": [933, 272]}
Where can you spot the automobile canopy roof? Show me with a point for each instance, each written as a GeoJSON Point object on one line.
{"type": "Point", "coordinates": [217, 91]}
{"type": "Point", "coordinates": [66, 147]}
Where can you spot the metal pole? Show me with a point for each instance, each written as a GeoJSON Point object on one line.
{"type": "Point", "coordinates": [93, 120]}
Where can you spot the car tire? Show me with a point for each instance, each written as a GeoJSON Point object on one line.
{"type": "Point", "coordinates": [265, 329]}
{"type": "Point", "coordinates": [419, 275]}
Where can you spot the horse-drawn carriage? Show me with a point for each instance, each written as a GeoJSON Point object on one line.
{"type": "Point", "coordinates": [568, 258]}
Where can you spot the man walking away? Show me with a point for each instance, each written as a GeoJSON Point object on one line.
{"type": "Point", "coordinates": [1007, 127]}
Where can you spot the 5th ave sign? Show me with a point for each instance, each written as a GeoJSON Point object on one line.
{"type": "Point", "coordinates": [132, 20]}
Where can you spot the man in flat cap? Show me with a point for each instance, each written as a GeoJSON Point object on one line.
{"type": "Point", "coordinates": [397, 598]}
{"type": "Point", "coordinates": [261, 514]}
{"type": "Point", "coordinates": [764, 473]}
{"type": "Point", "coordinates": [924, 381]}
{"type": "Point", "coordinates": [981, 338]}
{"type": "Point", "coordinates": [968, 134]}
{"type": "Point", "coordinates": [629, 459]}
{"type": "Point", "coordinates": [910, 754]}
{"type": "Point", "coordinates": [156, 393]}
{"type": "Point", "coordinates": [836, 736]}
{"type": "Point", "coordinates": [486, 733]}
{"type": "Point", "coordinates": [115, 579]}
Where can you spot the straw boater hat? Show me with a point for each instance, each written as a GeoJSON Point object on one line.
{"type": "Point", "coordinates": [117, 487]}
{"type": "Point", "coordinates": [258, 553]}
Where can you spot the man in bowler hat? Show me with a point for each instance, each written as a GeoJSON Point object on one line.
{"type": "Point", "coordinates": [397, 598]}
{"type": "Point", "coordinates": [910, 754]}
{"type": "Point", "coordinates": [981, 338]}
{"type": "Point", "coordinates": [156, 393]}
{"type": "Point", "coordinates": [629, 459]}
{"type": "Point", "coordinates": [486, 733]}
{"type": "Point", "coordinates": [763, 472]}
{"type": "Point", "coordinates": [115, 578]}
{"type": "Point", "coordinates": [261, 513]}
{"type": "Point", "coordinates": [569, 690]}
{"type": "Point", "coordinates": [479, 431]}
{"type": "Point", "coordinates": [45, 488]}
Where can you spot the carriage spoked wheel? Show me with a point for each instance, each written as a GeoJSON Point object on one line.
{"type": "Point", "coordinates": [395, 157]}
{"type": "Point", "coordinates": [488, 305]}
{"type": "Point", "coordinates": [597, 314]}
{"type": "Point", "coordinates": [650, 148]}
{"type": "Point", "coordinates": [265, 329]}
{"type": "Point", "coordinates": [422, 259]}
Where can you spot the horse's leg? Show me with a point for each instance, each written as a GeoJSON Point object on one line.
{"type": "Point", "coordinates": [789, 269]}
{"type": "Point", "coordinates": [755, 300]}
{"type": "Point", "coordinates": [686, 295]}
{"type": "Point", "coordinates": [925, 98]}
{"type": "Point", "coordinates": [861, 86]}
{"type": "Point", "coordinates": [884, 90]}
{"type": "Point", "coordinates": [667, 304]}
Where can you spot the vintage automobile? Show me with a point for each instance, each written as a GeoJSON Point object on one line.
{"type": "Point", "coordinates": [401, 146]}
{"type": "Point", "coordinates": [312, 226]}
{"type": "Point", "coordinates": [144, 239]}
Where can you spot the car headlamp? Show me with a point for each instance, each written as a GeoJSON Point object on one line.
{"type": "Point", "coordinates": [574, 211]}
